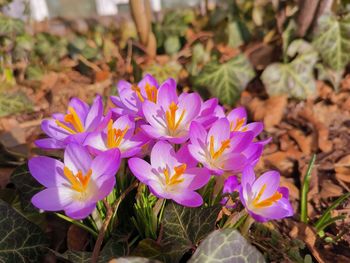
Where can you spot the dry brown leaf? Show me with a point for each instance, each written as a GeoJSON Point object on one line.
{"type": "Point", "coordinates": [329, 189]}
{"type": "Point", "coordinates": [77, 238]}
{"type": "Point", "coordinates": [304, 142]}
{"type": "Point", "coordinates": [342, 169]}
{"type": "Point", "coordinates": [280, 161]}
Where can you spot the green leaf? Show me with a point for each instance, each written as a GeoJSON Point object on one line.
{"type": "Point", "coordinates": [234, 34]}
{"type": "Point", "coordinates": [11, 103]}
{"type": "Point", "coordinates": [20, 240]}
{"type": "Point", "coordinates": [150, 249]}
{"type": "Point", "coordinates": [10, 26]}
{"type": "Point", "coordinates": [305, 191]}
{"type": "Point", "coordinates": [332, 40]}
{"type": "Point", "coordinates": [172, 45]}
{"type": "Point", "coordinates": [226, 245]}
{"type": "Point", "coordinates": [184, 227]}
{"type": "Point", "coordinates": [163, 72]}
{"type": "Point", "coordinates": [296, 79]}
{"type": "Point", "coordinates": [226, 81]}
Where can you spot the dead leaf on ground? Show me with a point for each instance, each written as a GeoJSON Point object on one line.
{"type": "Point", "coordinates": [77, 238]}
{"type": "Point", "coordinates": [342, 169]}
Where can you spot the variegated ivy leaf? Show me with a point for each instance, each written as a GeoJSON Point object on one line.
{"type": "Point", "coordinates": [20, 240]}
{"type": "Point", "coordinates": [184, 227]}
{"type": "Point", "coordinates": [332, 40]}
{"type": "Point", "coordinates": [226, 245]}
{"type": "Point", "coordinates": [295, 78]}
{"type": "Point", "coordinates": [226, 81]}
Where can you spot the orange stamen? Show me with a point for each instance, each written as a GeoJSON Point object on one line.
{"type": "Point", "coordinates": [268, 201]}
{"type": "Point", "coordinates": [238, 126]}
{"type": "Point", "coordinates": [79, 182]}
{"type": "Point", "coordinates": [151, 92]}
{"type": "Point", "coordinates": [224, 145]}
{"type": "Point", "coordinates": [176, 178]}
{"type": "Point", "coordinates": [138, 92]}
{"type": "Point", "coordinates": [72, 118]}
{"type": "Point", "coordinates": [170, 116]}
{"type": "Point", "coordinates": [115, 136]}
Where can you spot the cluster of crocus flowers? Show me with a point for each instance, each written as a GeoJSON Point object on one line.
{"type": "Point", "coordinates": [153, 119]}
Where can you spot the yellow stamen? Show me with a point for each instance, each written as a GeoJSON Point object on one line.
{"type": "Point", "coordinates": [151, 92]}
{"type": "Point", "coordinates": [268, 201]}
{"type": "Point", "coordinates": [238, 126]}
{"type": "Point", "coordinates": [176, 178]}
{"type": "Point", "coordinates": [72, 118]}
{"type": "Point", "coordinates": [224, 145]}
{"type": "Point", "coordinates": [115, 136]}
{"type": "Point", "coordinates": [79, 182]}
{"type": "Point", "coordinates": [170, 116]}
{"type": "Point", "coordinates": [138, 92]}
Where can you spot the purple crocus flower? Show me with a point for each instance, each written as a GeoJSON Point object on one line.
{"type": "Point", "coordinates": [238, 122]}
{"type": "Point", "coordinates": [132, 96]}
{"type": "Point", "coordinates": [262, 197]}
{"type": "Point", "coordinates": [231, 185]}
{"type": "Point", "coordinates": [76, 184]}
{"type": "Point", "coordinates": [210, 112]}
{"type": "Point", "coordinates": [168, 177]}
{"type": "Point", "coordinates": [170, 117]}
{"type": "Point", "coordinates": [73, 126]}
{"type": "Point", "coordinates": [118, 134]}
{"type": "Point", "coordinates": [221, 150]}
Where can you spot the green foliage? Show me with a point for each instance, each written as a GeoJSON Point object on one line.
{"type": "Point", "coordinates": [150, 249]}
{"type": "Point", "coordinates": [21, 240]}
{"type": "Point", "coordinates": [226, 245]}
{"type": "Point", "coordinates": [50, 48]}
{"type": "Point", "coordinates": [172, 45]}
{"type": "Point", "coordinates": [305, 190]}
{"type": "Point", "coordinates": [185, 227]}
{"type": "Point", "coordinates": [227, 80]}
{"type": "Point", "coordinates": [10, 26]}
{"type": "Point", "coordinates": [200, 56]}
{"type": "Point", "coordinates": [296, 78]}
{"type": "Point", "coordinates": [332, 40]}
{"type": "Point", "coordinates": [163, 72]}
{"type": "Point", "coordinates": [12, 103]}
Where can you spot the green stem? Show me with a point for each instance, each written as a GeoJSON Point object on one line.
{"type": "Point", "coordinates": [305, 190]}
{"type": "Point", "coordinates": [77, 223]}
{"type": "Point", "coordinates": [246, 226]}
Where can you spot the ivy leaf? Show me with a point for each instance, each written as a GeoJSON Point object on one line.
{"type": "Point", "coordinates": [332, 40]}
{"type": "Point", "coordinates": [185, 227]}
{"type": "Point", "coordinates": [163, 72]}
{"type": "Point", "coordinates": [295, 78]}
{"type": "Point", "coordinates": [10, 26]}
{"type": "Point", "coordinates": [150, 249]}
{"type": "Point", "coordinates": [226, 245]}
{"type": "Point", "coordinates": [226, 81]}
{"type": "Point", "coordinates": [21, 241]}
{"type": "Point", "coordinates": [11, 103]}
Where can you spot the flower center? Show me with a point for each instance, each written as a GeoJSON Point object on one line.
{"type": "Point", "coordinates": [216, 154]}
{"type": "Point", "coordinates": [170, 116]}
{"type": "Point", "coordinates": [176, 178]}
{"type": "Point", "coordinates": [79, 182]}
{"type": "Point", "coordinates": [73, 119]}
{"type": "Point", "coordinates": [268, 201]}
{"type": "Point", "coordinates": [151, 92]}
{"type": "Point", "coordinates": [115, 136]}
{"type": "Point", "coordinates": [137, 90]}
{"type": "Point", "coordinates": [238, 126]}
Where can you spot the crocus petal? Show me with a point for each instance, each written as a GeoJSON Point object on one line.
{"type": "Point", "coordinates": [152, 132]}
{"type": "Point", "coordinates": [188, 198]}
{"type": "Point", "coordinates": [147, 79]}
{"type": "Point", "coordinates": [49, 143]}
{"type": "Point", "coordinates": [106, 164]}
{"type": "Point", "coordinates": [154, 115]}
{"type": "Point", "coordinates": [198, 134]}
{"type": "Point", "coordinates": [237, 114]}
{"type": "Point", "coordinates": [130, 99]}
{"type": "Point", "coordinates": [253, 153]}
{"type": "Point", "coordinates": [141, 169]}
{"type": "Point", "coordinates": [125, 122]}
{"type": "Point", "coordinates": [255, 127]}
{"type": "Point", "coordinates": [77, 157]}
{"type": "Point", "coordinates": [197, 153]}
{"type": "Point", "coordinates": [79, 210]}
{"type": "Point", "coordinates": [183, 155]}
{"type": "Point", "coordinates": [52, 199]}
{"type": "Point", "coordinates": [96, 141]}
{"type": "Point", "coordinates": [248, 176]}
{"type": "Point", "coordinates": [271, 180]}
{"type": "Point", "coordinates": [220, 131]}
{"type": "Point", "coordinates": [52, 130]}
{"type": "Point", "coordinates": [94, 116]}
{"type": "Point", "coordinates": [192, 105]}
{"type": "Point", "coordinates": [105, 187]}
{"type": "Point", "coordinates": [240, 141]}
{"type": "Point", "coordinates": [80, 107]}
{"type": "Point", "coordinates": [231, 184]}
{"type": "Point", "coordinates": [123, 85]}
{"type": "Point", "coordinates": [201, 177]}
{"type": "Point", "coordinates": [167, 94]}
{"type": "Point", "coordinates": [47, 171]}
{"type": "Point", "coordinates": [162, 155]}
{"type": "Point", "coordinates": [234, 163]}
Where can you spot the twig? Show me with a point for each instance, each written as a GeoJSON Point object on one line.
{"type": "Point", "coordinates": [110, 212]}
